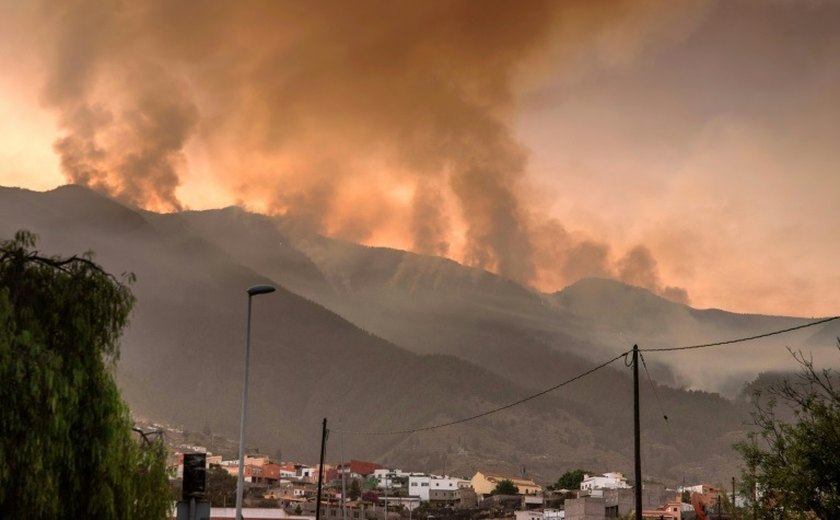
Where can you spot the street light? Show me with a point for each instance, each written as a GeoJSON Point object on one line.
{"type": "Point", "coordinates": [253, 291]}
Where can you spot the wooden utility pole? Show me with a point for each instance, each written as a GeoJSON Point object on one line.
{"type": "Point", "coordinates": [734, 511]}
{"type": "Point", "coordinates": [343, 479]}
{"type": "Point", "coordinates": [321, 469]}
{"type": "Point", "coordinates": [636, 433]}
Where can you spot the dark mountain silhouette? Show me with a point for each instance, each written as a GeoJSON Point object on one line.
{"type": "Point", "coordinates": [182, 356]}
{"type": "Point", "coordinates": [431, 304]}
{"type": "Point", "coordinates": [438, 341]}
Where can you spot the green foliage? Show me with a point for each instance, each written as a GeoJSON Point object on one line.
{"type": "Point", "coordinates": [792, 467]}
{"type": "Point", "coordinates": [149, 478]}
{"type": "Point", "coordinates": [221, 487]}
{"type": "Point", "coordinates": [570, 479]}
{"type": "Point", "coordinates": [66, 445]}
{"type": "Point", "coordinates": [505, 487]}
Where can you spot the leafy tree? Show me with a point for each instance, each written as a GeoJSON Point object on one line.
{"type": "Point", "coordinates": [570, 479]}
{"type": "Point", "coordinates": [371, 482]}
{"type": "Point", "coordinates": [370, 496]}
{"type": "Point", "coordinates": [793, 463]}
{"type": "Point", "coordinates": [221, 487]}
{"type": "Point", "coordinates": [67, 449]}
{"type": "Point", "coordinates": [505, 487]}
{"type": "Point", "coordinates": [355, 490]}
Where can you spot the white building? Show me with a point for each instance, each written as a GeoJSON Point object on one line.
{"type": "Point", "coordinates": [421, 485]}
{"type": "Point", "coordinates": [386, 478]}
{"type": "Point", "coordinates": [595, 484]}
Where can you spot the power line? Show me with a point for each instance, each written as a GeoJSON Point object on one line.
{"type": "Point", "coordinates": [741, 340]}
{"type": "Point", "coordinates": [588, 372]}
{"type": "Point", "coordinates": [653, 388]}
{"type": "Point", "coordinates": [671, 436]}
{"type": "Point", "coordinates": [494, 410]}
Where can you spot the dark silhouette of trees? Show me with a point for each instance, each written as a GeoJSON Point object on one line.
{"type": "Point", "coordinates": [570, 479]}
{"type": "Point", "coordinates": [67, 449]}
{"type": "Point", "coordinates": [355, 489]}
{"type": "Point", "coordinates": [221, 487]}
{"type": "Point", "coordinates": [792, 464]}
{"type": "Point", "coordinates": [505, 487]}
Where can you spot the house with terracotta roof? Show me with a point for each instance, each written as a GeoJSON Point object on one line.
{"type": "Point", "coordinates": [359, 467]}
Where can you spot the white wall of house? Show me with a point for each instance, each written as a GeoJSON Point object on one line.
{"type": "Point", "coordinates": [386, 478]}
{"type": "Point", "coordinates": [447, 483]}
{"type": "Point", "coordinates": [418, 486]}
{"type": "Point", "coordinates": [594, 483]}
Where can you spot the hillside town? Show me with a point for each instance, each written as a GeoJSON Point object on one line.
{"type": "Point", "coordinates": [364, 490]}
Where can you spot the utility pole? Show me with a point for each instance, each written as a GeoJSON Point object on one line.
{"type": "Point", "coordinates": [386, 493]}
{"type": "Point", "coordinates": [734, 511]}
{"type": "Point", "coordinates": [637, 443]}
{"type": "Point", "coordinates": [321, 469]}
{"type": "Point", "coordinates": [343, 479]}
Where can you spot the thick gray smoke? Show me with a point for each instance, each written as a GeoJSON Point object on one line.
{"type": "Point", "coordinates": [130, 146]}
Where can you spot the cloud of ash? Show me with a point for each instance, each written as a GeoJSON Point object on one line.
{"type": "Point", "coordinates": [638, 267]}
{"type": "Point", "coordinates": [348, 114]}
{"type": "Point", "coordinates": [563, 256]}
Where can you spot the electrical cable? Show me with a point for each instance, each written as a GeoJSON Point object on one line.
{"type": "Point", "coordinates": [590, 371]}
{"type": "Point", "coordinates": [494, 410]}
{"type": "Point", "coordinates": [671, 435]}
{"type": "Point", "coordinates": [652, 387]}
{"type": "Point", "coordinates": [741, 340]}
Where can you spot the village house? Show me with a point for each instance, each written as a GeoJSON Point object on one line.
{"type": "Point", "coordinates": [389, 478]}
{"type": "Point", "coordinates": [485, 483]}
{"type": "Point", "coordinates": [593, 485]}
{"type": "Point", "coordinates": [709, 495]}
{"type": "Point", "coordinates": [358, 467]}
{"type": "Point", "coordinates": [657, 503]}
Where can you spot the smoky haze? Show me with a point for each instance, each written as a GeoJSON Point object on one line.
{"type": "Point", "coordinates": [380, 122]}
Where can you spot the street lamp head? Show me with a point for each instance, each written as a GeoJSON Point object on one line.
{"type": "Point", "coordinates": [260, 289]}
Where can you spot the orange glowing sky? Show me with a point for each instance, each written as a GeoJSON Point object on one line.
{"type": "Point", "coordinates": [680, 148]}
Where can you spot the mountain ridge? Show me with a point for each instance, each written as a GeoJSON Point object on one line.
{"type": "Point", "coordinates": [409, 343]}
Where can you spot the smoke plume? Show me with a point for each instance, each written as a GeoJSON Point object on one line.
{"type": "Point", "coordinates": [364, 118]}
{"type": "Point", "coordinates": [563, 256]}
{"type": "Point", "coordinates": [638, 267]}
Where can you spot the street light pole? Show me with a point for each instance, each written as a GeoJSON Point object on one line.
{"type": "Point", "coordinates": [253, 291]}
